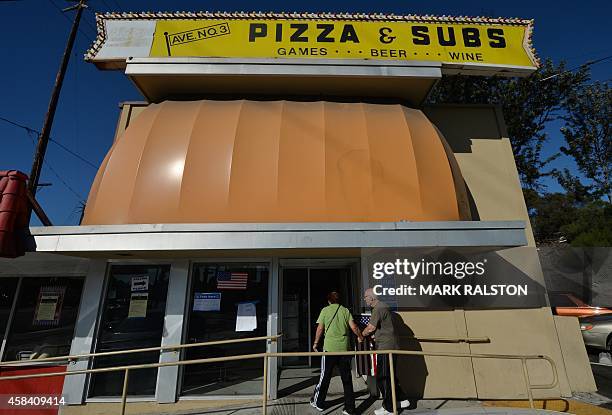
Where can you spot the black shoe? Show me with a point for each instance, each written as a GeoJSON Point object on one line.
{"type": "Point", "coordinates": [349, 412]}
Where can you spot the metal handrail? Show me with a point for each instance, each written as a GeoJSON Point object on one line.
{"type": "Point", "coordinates": [450, 339]}
{"type": "Point", "coordinates": [601, 364]}
{"type": "Point", "coordinates": [73, 358]}
{"type": "Point", "coordinates": [528, 385]}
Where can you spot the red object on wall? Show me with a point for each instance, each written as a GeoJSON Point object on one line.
{"type": "Point", "coordinates": [13, 212]}
{"type": "Point", "coordinates": [44, 387]}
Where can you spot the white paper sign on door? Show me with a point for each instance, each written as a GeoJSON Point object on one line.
{"type": "Point", "coordinates": [246, 318]}
{"type": "Point", "coordinates": [207, 302]}
{"type": "Point", "coordinates": [140, 283]}
{"type": "Point", "coordinates": [138, 305]}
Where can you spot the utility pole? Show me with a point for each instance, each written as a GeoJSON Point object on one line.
{"type": "Point", "coordinates": [43, 138]}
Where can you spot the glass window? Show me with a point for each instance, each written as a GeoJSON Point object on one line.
{"type": "Point", "coordinates": [132, 318]}
{"type": "Point", "coordinates": [8, 287]}
{"type": "Point", "coordinates": [44, 319]}
{"type": "Point", "coordinates": [227, 301]}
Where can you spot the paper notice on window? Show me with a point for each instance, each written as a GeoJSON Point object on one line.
{"type": "Point", "coordinates": [49, 306]}
{"type": "Point", "coordinates": [246, 318]}
{"type": "Point", "coordinates": [138, 305]}
{"type": "Point", "coordinates": [140, 283]}
{"type": "Point", "coordinates": [207, 302]}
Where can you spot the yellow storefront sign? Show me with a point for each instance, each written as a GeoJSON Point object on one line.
{"type": "Point", "coordinates": [465, 42]}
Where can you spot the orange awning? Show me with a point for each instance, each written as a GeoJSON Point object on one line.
{"type": "Point", "coordinates": [276, 161]}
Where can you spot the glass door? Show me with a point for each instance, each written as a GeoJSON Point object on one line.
{"type": "Point", "coordinates": [227, 301]}
{"type": "Point", "coordinates": [132, 318]}
{"type": "Point", "coordinates": [322, 282]}
{"type": "Point", "coordinates": [295, 312]}
{"type": "Point", "coordinates": [304, 294]}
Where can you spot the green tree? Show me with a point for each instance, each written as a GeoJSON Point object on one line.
{"type": "Point", "coordinates": [528, 104]}
{"type": "Point", "coordinates": [591, 225]}
{"type": "Point", "coordinates": [579, 192]}
{"type": "Point", "coordinates": [578, 216]}
{"type": "Point", "coordinates": [588, 136]}
{"type": "Point", "coordinates": [548, 214]}
{"type": "Point", "coordinates": [572, 217]}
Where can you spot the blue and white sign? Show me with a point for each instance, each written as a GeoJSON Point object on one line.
{"type": "Point", "coordinates": [207, 302]}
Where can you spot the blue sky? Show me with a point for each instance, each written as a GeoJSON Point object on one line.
{"type": "Point", "coordinates": [33, 36]}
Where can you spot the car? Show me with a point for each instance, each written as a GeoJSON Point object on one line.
{"type": "Point", "coordinates": [567, 304]}
{"type": "Point", "coordinates": [597, 331]}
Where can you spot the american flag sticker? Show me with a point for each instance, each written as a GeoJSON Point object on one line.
{"type": "Point", "coordinates": [363, 320]}
{"type": "Point", "coordinates": [366, 364]}
{"type": "Point", "coordinates": [227, 280]}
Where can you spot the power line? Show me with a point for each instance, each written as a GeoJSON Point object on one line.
{"type": "Point", "coordinates": [591, 63]}
{"type": "Point", "coordinates": [110, 9]}
{"type": "Point", "coordinates": [74, 192]}
{"type": "Point", "coordinates": [118, 5]}
{"type": "Point", "coordinates": [584, 65]}
{"type": "Point", "coordinates": [59, 9]}
{"type": "Point", "coordinates": [63, 147]}
{"type": "Point", "coordinates": [55, 173]}
{"type": "Point", "coordinates": [75, 210]}
{"type": "Point", "coordinates": [107, 6]}
{"type": "Point", "coordinates": [91, 27]}
{"type": "Point", "coordinates": [89, 6]}
{"type": "Point", "coordinates": [581, 56]}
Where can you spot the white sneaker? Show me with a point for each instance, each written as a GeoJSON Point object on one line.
{"type": "Point", "coordinates": [382, 411]}
{"type": "Point", "coordinates": [404, 404]}
{"type": "Point", "coordinates": [314, 405]}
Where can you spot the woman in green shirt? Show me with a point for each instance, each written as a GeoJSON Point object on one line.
{"type": "Point", "coordinates": [335, 321]}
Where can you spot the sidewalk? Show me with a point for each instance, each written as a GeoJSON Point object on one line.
{"type": "Point", "coordinates": [366, 406]}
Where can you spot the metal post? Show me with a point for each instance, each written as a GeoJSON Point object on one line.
{"type": "Point", "coordinates": [264, 408]}
{"type": "Point", "coordinates": [392, 374]}
{"type": "Point", "coordinates": [124, 392]}
{"type": "Point", "coordinates": [527, 383]}
{"type": "Point", "coordinates": [43, 138]}
{"type": "Point", "coordinates": [309, 314]}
